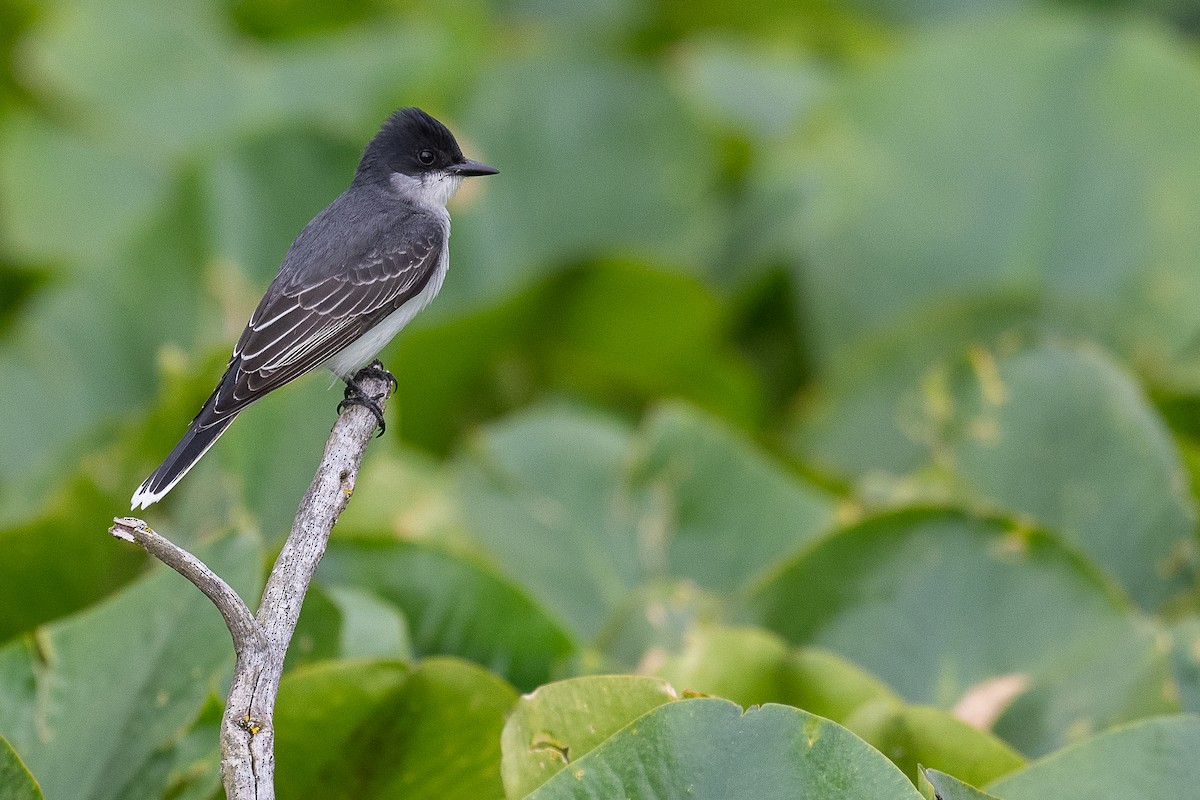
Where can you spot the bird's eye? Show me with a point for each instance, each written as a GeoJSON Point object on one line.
{"type": "Point", "coordinates": [426, 157]}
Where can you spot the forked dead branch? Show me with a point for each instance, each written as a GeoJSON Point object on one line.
{"type": "Point", "coordinates": [261, 640]}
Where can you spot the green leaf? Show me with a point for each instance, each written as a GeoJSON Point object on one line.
{"type": "Point", "coordinates": [67, 182]}
{"type": "Point", "coordinates": [378, 729]}
{"type": "Point", "coordinates": [275, 446]}
{"type": "Point", "coordinates": [540, 490]}
{"type": "Point", "coordinates": [940, 786]}
{"type": "Point", "coordinates": [915, 735]}
{"type": "Point", "coordinates": [176, 79]}
{"type": "Point", "coordinates": [717, 72]}
{"type": "Point", "coordinates": [1054, 432]}
{"type": "Point", "coordinates": [470, 367]}
{"type": "Point", "coordinates": [86, 364]}
{"type": "Point", "coordinates": [342, 622]}
{"type": "Point", "coordinates": [1153, 760]}
{"type": "Point", "coordinates": [455, 604]}
{"type": "Point", "coordinates": [590, 111]}
{"type": "Point", "coordinates": [404, 493]}
{"type": "Point", "coordinates": [91, 701]}
{"type": "Point", "coordinates": [592, 517]}
{"type": "Point", "coordinates": [40, 578]}
{"type": "Point", "coordinates": [15, 781]}
{"type": "Point", "coordinates": [951, 601]}
{"type": "Point", "coordinates": [858, 422]}
{"type": "Point", "coordinates": [1062, 435]}
{"type": "Point", "coordinates": [712, 749]}
{"type": "Point", "coordinates": [1047, 155]}
{"type": "Point", "coordinates": [196, 759]}
{"type": "Point", "coordinates": [654, 621]}
{"type": "Point", "coordinates": [1185, 661]}
{"type": "Point", "coordinates": [619, 330]}
{"type": "Point", "coordinates": [724, 511]}
{"type": "Point", "coordinates": [751, 666]}
{"type": "Point", "coordinates": [828, 685]}
{"type": "Point", "coordinates": [263, 191]}
{"type": "Point", "coordinates": [916, 12]}
{"type": "Point", "coordinates": [746, 665]}
{"type": "Point", "coordinates": [560, 722]}
{"type": "Point", "coordinates": [616, 332]}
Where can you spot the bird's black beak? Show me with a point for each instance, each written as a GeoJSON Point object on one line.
{"type": "Point", "coordinates": [467, 168]}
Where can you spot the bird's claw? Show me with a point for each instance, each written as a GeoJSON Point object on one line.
{"type": "Point", "coordinates": [355, 396]}
{"type": "Point", "coordinates": [375, 370]}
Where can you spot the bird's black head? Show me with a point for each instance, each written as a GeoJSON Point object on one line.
{"type": "Point", "coordinates": [412, 143]}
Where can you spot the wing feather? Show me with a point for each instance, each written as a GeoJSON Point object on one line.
{"type": "Point", "coordinates": [301, 324]}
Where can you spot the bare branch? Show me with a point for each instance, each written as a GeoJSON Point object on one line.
{"type": "Point", "coordinates": [247, 731]}
{"type": "Point", "coordinates": [245, 630]}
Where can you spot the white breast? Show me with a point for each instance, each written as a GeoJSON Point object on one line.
{"type": "Point", "coordinates": [358, 354]}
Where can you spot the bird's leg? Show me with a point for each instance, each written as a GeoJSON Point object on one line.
{"type": "Point", "coordinates": [355, 396]}
{"type": "Point", "coordinates": [375, 370]}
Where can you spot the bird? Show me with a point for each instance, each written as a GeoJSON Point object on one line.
{"type": "Point", "coordinates": [355, 275]}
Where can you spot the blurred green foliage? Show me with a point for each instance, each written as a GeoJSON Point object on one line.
{"type": "Point", "coordinates": [834, 354]}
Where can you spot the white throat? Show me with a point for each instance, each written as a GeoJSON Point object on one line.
{"type": "Point", "coordinates": [432, 190]}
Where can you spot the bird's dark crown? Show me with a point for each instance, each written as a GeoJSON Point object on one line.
{"type": "Point", "coordinates": [405, 143]}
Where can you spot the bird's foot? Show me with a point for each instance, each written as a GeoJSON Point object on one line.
{"type": "Point", "coordinates": [375, 370]}
{"type": "Point", "coordinates": [355, 396]}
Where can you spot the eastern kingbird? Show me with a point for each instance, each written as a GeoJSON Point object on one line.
{"type": "Point", "coordinates": [356, 275]}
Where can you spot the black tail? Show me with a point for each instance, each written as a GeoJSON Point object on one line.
{"type": "Point", "coordinates": [191, 447]}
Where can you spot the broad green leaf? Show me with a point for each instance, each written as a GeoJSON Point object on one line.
{"type": "Point", "coordinates": [91, 701]}
{"type": "Point", "coordinates": [937, 602]}
{"type": "Point", "coordinates": [40, 578]}
{"type": "Point", "coordinates": [828, 685]}
{"type": "Point", "coordinates": [402, 493]}
{"type": "Point", "coordinates": [15, 781]}
{"type": "Point", "coordinates": [341, 622]}
{"type": "Point", "coordinates": [371, 627]}
{"type": "Point", "coordinates": [746, 665]}
{"type": "Point", "coordinates": [86, 349]}
{"type": "Point", "coordinates": [914, 735]}
{"type": "Point", "coordinates": [723, 510]}
{"type": "Point", "coordinates": [1042, 154]}
{"type": "Point", "coordinates": [1054, 432]}
{"type": "Point", "coordinates": [559, 723]}
{"type": "Point", "coordinates": [858, 422]}
{"type": "Point", "coordinates": [263, 191]}
{"type": "Point", "coordinates": [340, 699]}
{"type": "Point", "coordinates": [274, 447]}
{"type": "Point", "coordinates": [752, 667]}
{"type": "Point", "coordinates": [1185, 661]}
{"type": "Point", "coordinates": [541, 491]}
{"type": "Point", "coordinates": [711, 749]}
{"type": "Point", "coordinates": [1151, 760]}
{"type": "Point", "coordinates": [67, 183]}
{"type": "Point", "coordinates": [1062, 435]}
{"type": "Point", "coordinates": [596, 520]}
{"type": "Point", "coordinates": [655, 621]}
{"type": "Point", "coordinates": [455, 605]}
{"type": "Point", "coordinates": [175, 78]}
{"type": "Point", "coordinates": [317, 629]}
{"type": "Point", "coordinates": [621, 331]}
{"type": "Point", "coordinates": [717, 72]}
{"type": "Point", "coordinates": [378, 729]}
{"type": "Point", "coordinates": [940, 786]}
{"type": "Point", "coordinates": [466, 369]}
{"type": "Point", "coordinates": [617, 332]}
{"type": "Point", "coordinates": [196, 767]}
{"type": "Point", "coordinates": [603, 127]}
{"type": "Point", "coordinates": [915, 12]}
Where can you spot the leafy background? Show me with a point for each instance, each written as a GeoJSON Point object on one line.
{"type": "Point", "coordinates": [837, 359]}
